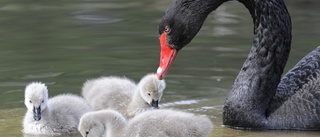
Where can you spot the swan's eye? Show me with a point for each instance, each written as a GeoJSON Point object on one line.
{"type": "Point", "coordinates": [87, 132]}
{"type": "Point", "coordinates": [149, 94]}
{"type": "Point", "coordinates": [42, 101]}
{"type": "Point", "coordinates": [167, 29]}
{"type": "Point", "coordinates": [30, 101]}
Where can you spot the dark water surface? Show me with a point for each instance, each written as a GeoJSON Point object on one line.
{"type": "Point", "coordinates": [63, 43]}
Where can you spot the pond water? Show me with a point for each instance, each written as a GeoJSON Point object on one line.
{"type": "Point", "coordinates": [63, 43]}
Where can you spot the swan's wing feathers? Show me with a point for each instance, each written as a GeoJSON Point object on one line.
{"type": "Point", "coordinates": [299, 93]}
{"type": "Point", "coordinates": [304, 75]}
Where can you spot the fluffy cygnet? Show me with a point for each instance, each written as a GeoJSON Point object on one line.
{"type": "Point", "coordinates": [123, 95]}
{"type": "Point", "coordinates": [55, 116]}
{"type": "Point", "coordinates": [153, 123]}
{"type": "Point", "coordinates": [147, 95]}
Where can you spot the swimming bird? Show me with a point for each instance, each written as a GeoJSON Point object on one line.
{"type": "Point", "coordinates": [54, 116]}
{"type": "Point", "coordinates": [153, 123]}
{"type": "Point", "coordinates": [123, 95]}
{"type": "Point", "coordinates": [259, 98]}
{"type": "Point", "coordinates": [110, 92]}
{"type": "Point", "coordinates": [147, 95]}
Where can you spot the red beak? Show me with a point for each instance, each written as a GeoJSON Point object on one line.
{"type": "Point", "coordinates": [167, 57]}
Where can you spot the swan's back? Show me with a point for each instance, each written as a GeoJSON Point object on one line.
{"type": "Point", "coordinates": [171, 123]}
{"type": "Point", "coordinates": [297, 99]}
{"type": "Point", "coordinates": [109, 92]}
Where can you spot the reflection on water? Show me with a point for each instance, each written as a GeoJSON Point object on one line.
{"type": "Point", "coordinates": [89, 16]}
{"type": "Point", "coordinates": [182, 102]}
{"type": "Point", "coordinates": [64, 43]}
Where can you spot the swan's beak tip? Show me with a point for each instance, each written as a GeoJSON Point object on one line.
{"type": "Point", "coordinates": [159, 73]}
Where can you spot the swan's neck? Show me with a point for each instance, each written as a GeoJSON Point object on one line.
{"type": "Point", "coordinates": [114, 123]}
{"type": "Point", "coordinates": [137, 104]}
{"type": "Point", "coordinates": [260, 74]}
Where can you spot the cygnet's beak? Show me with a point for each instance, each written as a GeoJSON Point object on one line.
{"type": "Point", "coordinates": [154, 103]}
{"type": "Point", "coordinates": [37, 113]}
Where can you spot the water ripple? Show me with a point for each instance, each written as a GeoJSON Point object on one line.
{"type": "Point", "coordinates": [96, 19]}
{"type": "Point", "coordinates": [227, 49]}
{"type": "Point", "coordinates": [181, 102]}
{"type": "Point", "coordinates": [14, 84]}
{"type": "Point", "coordinates": [43, 75]}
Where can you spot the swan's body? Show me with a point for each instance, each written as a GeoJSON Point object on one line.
{"type": "Point", "coordinates": [259, 98]}
{"type": "Point", "coordinates": [123, 95]}
{"type": "Point", "coordinates": [154, 123]}
{"type": "Point", "coordinates": [55, 116]}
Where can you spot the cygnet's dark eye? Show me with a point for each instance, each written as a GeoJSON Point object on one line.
{"type": "Point", "coordinates": [30, 101]}
{"type": "Point", "coordinates": [42, 101]}
{"type": "Point", "coordinates": [167, 29]}
{"type": "Point", "coordinates": [149, 94]}
{"type": "Point", "coordinates": [87, 132]}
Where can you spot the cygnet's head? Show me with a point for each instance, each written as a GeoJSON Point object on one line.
{"type": "Point", "coordinates": [36, 98]}
{"type": "Point", "coordinates": [90, 125]}
{"type": "Point", "coordinates": [151, 89]}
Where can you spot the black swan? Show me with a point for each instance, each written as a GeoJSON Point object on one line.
{"type": "Point", "coordinates": [259, 98]}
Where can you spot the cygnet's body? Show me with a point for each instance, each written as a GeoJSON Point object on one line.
{"type": "Point", "coordinates": [55, 116]}
{"type": "Point", "coordinates": [121, 94]}
{"type": "Point", "coordinates": [110, 92]}
{"type": "Point", "coordinates": [154, 123]}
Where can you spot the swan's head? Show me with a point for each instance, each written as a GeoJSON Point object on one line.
{"type": "Point", "coordinates": [151, 89]}
{"type": "Point", "coordinates": [179, 25]}
{"type": "Point", "coordinates": [36, 98]}
{"type": "Point", "coordinates": [90, 125]}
